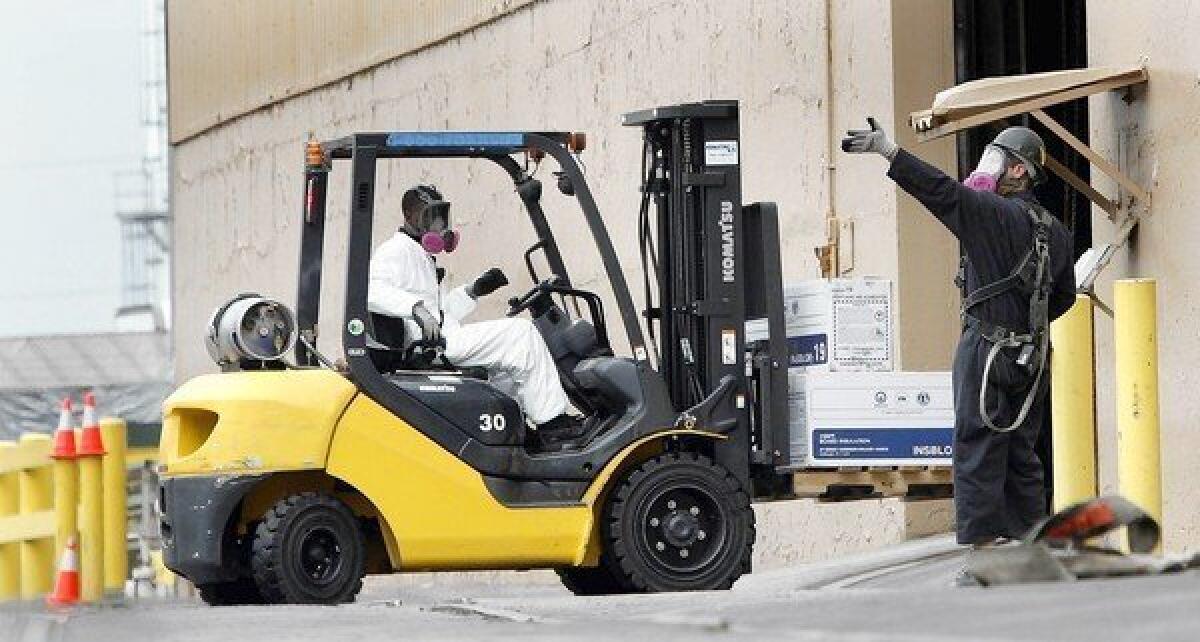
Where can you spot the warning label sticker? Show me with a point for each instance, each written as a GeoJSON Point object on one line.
{"type": "Point", "coordinates": [721, 152]}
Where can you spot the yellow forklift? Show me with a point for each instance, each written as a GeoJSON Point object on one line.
{"type": "Point", "coordinates": [286, 478]}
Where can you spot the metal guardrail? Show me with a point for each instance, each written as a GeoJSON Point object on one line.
{"type": "Point", "coordinates": [50, 495]}
{"type": "Point", "coordinates": [27, 517]}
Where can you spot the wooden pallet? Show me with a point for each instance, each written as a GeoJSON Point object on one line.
{"type": "Point", "coordinates": [841, 484]}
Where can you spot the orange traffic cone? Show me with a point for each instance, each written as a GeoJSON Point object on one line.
{"type": "Point", "coordinates": [66, 585]}
{"type": "Point", "coordinates": [90, 441]}
{"type": "Point", "coordinates": [64, 437]}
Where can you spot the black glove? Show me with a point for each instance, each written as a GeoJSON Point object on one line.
{"type": "Point", "coordinates": [487, 283]}
{"type": "Point", "coordinates": [858, 141]}
{"type": "Point", "coordinates": [431, 330]}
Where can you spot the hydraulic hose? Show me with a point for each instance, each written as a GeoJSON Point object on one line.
{"type": "Point", "coordinates": [649, 253]}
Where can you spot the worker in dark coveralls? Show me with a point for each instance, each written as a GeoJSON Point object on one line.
{"type": "Point", "coordinates": [998, 485]}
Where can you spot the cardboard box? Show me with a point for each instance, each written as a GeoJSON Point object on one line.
{"type": "Point", "coordinates": [840, 325]}
{"type": "Point", "coordinates": [877, 419]}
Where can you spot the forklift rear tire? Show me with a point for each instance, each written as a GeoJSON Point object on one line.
{"type": "Point", "coordinates": [589, 581]}
{"type": "Point", "coordinates": [308, 549]}
{"type": "Point", "coordinates": [678, 522]}
{"type": "Point", "coordinates": [235, 593]}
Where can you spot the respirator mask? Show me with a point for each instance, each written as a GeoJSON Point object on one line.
{"type": "Point", "coordinates": [432, 225]}
{"type": "Point", "coordinates": [992, 165]}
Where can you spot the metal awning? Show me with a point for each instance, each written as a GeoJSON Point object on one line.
{"type": "Point", "coordinates": [987, 100]}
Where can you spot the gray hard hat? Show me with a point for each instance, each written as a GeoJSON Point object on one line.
{"type": "Point", "coordinates": [1027, 147]}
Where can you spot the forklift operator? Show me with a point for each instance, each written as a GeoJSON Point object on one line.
{"type": "Point", "coordinates": [405, 283]}
{"type": "Point", "coordinates": [1015, 276]}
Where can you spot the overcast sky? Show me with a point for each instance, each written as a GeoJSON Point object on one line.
{"type": "Point", "coordinates": [70, 96]}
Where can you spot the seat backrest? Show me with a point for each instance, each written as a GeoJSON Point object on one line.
{"type": "Point", "coordinates": [385, 342]}
{"type": "Point", "coordinates": [388, 331]}
{"type": "Point", "coordinates": [580, 338]}
{"type": "Point", "coordinates": [572, 339]}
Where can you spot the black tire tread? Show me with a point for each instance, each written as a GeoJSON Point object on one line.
{"type": "Point", "coordinates": [619, 559]}
{"type": "Point", "coordinates": [265, 555]}
{"type": "Point", "coordinates": [584, 581]}
{"type": "Point", "coordinates": [236, 593]}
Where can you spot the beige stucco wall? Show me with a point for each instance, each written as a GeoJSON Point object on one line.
{"type": "Point", "coordinates": [1153, 139]}
{"type": "Point", "coordinates": [923, 63]}
{"type": "Point", "coordinates": [230, 57]}
{"type": "Point", "coordinates": [578, 64]}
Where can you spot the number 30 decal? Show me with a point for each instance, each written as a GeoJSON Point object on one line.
{"type": "Point", "coordinates": [488, 423]}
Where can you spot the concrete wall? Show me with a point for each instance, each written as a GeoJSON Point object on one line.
{"type": "Point", "coordinates": [1153, 140]}
{"type": "Point", "coordinates": [230, 57]}
{"type": "Point", "coordinates": [577, 64]}
{"type": "Point", "coordinates": [923, 64]}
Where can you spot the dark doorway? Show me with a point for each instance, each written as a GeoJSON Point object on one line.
{"type": "Point", "coordinates": [1024, 37]}
{"type": "Point", "coordinates": [993, 38]}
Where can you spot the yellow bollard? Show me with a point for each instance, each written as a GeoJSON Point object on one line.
{"type": "Point", "coordinates": [36, 494]}
{"type": "Point", "coordinates": [1138, 458]}
{"type": "Point", "coordinates": [91, 504]}
{"type": "Point", "coordinates": [10, 553]}
{"type": "Point", "coordinates": [66, 501]}
{"type": "Point", "coordinates": [66, 480]}
{"type": "Point", "coordinates": [91, 528]}
{"type": "Point", "coordinates": [116, 549]}
{"type": "Point", "coordinates": [1073, 402]}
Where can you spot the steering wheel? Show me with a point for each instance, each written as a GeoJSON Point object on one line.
{"type": "Point", "coordinates": [539, 300]}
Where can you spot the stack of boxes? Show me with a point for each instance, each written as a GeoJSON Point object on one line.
{"type": "Point", "coordinates": [847, 405]}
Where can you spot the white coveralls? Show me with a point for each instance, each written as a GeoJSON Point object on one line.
{"type": "Point", "coordinates": [403, 273]}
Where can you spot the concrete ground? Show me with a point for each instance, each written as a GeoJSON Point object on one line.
{"type": "Point", "coordinates": [902, 593]}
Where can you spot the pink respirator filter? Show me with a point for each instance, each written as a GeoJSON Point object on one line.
{"type": "Point", "coordinates": [436, 242]}
{"type": "Point", "coordinates": [981, 182]}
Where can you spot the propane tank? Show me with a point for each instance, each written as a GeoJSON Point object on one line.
{"type": "Point", "coordinates": [250, 331]}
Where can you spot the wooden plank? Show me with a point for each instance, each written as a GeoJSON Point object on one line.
{"type": "Point", "coordinates": [30, 526]}
{"type": "Point", "coordinates": [847, 484]}
{"type": "Point", "coordinates": [1096, 159]}
{"type": "Point", "coordinates": [1014, 109]}
{"type": "Point", "coordinates": [976, 96]}
{"type": "Point", "coordinates": [1078, 183]}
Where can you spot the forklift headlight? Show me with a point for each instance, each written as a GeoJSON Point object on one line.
{"type": "Point", "coordinates": [250, 328]}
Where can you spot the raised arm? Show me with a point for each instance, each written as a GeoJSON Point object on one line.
{"type": "Point", "coordinates": [957, 206]}
{"type": "Point", "coordinates": [967, 213]}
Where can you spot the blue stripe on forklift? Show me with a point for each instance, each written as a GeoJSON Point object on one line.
{"type": "Point", "coordinates": [426, 140]}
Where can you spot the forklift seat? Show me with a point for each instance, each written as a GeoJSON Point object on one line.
{"type": "Point", "coordinates": [386, 346]}
{"type": "Point", "coordinates": [580, 339]}
{"type": "Point", "coordinates": [385, 342]}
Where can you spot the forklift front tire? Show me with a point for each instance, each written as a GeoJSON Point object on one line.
{"type": "Point", "coordinates": [236, 593]}
{"type": "Point", "coordinates": [589, 581]}
{"type": "Point", "coordinates": [678, 522]}
{"type": "Point", "coordinates": [308, 549]}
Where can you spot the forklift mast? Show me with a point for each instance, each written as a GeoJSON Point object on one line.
{"type": "Point", "coordinates": [713, 290]}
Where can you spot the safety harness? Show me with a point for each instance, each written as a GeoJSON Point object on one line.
{"type": "Point", "coordinates": [1031, 277]}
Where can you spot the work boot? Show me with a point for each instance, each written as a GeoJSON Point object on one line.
{"type": "Point", "coordinates": [562, 432]}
